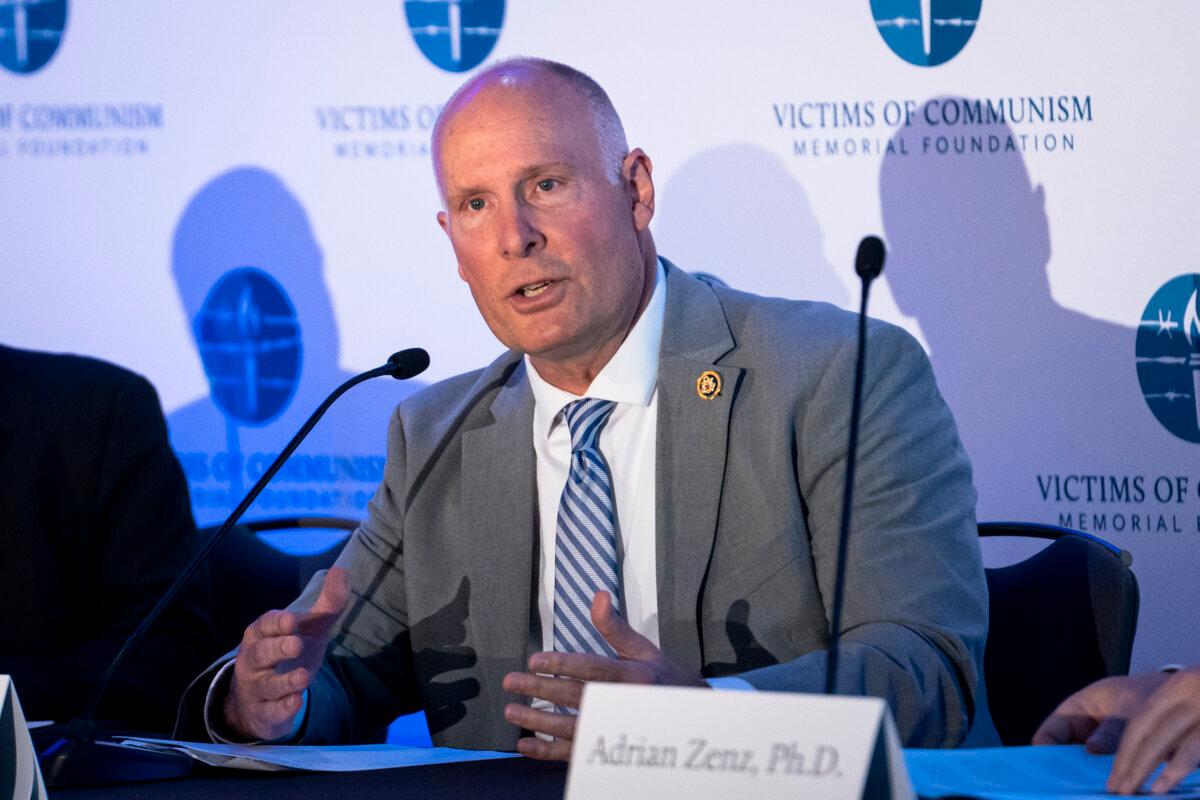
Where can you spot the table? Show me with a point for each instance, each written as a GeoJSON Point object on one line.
{"type": "Point", "coordinates": [504, 779]}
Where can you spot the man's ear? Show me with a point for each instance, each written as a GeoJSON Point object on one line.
{"type": "Point", "coordinates": [635, 176]}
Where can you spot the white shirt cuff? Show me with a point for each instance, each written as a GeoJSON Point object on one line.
{"type": "Point", "coordinates": [211, 728]}
{"type": "Point", "coordinates": [731, 683]}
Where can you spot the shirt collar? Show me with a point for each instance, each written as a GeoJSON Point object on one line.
{"type": "Point", "coordinates": [629, 376]}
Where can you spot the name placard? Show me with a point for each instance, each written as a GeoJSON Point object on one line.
{"type": "Point", "coordinates": [20, 774]}
{"type": "Point", "coordinates": [690, 744]}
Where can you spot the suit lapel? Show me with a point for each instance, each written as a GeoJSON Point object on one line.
{"type": "Point", "coordinates": [690, 456]}
{"type": "Point", "coordinates": [499, 482]}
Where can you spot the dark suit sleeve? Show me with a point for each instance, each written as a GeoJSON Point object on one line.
{"type": "Point", "coordinates": [138, 532]}
{"type": "Point", "coordinates": [146, 516]}
{"type": "Point", "coordinates": [915, 616]}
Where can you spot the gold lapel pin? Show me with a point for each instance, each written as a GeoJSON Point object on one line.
{"type": "Point", "coordinates": [708, 385]}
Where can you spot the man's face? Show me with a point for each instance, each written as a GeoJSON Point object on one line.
{"type": "Point", "coordinates": [546, 241]}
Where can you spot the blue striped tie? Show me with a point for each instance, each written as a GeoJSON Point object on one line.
{"type": "Point", "coordinates": [585, 559]}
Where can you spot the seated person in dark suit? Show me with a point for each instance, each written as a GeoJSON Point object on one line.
{"type": "Point", "coordinates": [94, 525]}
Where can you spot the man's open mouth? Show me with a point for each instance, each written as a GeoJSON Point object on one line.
{"type": "Point", "coordinates": [534, 289]}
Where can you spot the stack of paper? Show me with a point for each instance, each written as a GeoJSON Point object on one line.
{"type": "Point", "coordinates": [337, 758]}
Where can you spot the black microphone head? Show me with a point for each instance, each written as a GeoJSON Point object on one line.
{"type": "Point", "coordinates": [408, 363]}
{"type": "Point", "coordinates": [869, 261]}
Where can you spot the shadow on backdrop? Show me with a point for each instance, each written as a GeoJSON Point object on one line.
{"type": "Point", "coordinates": [1032, 384]}
{"type": "Point", "coordinates": [251, 279]}
{"type": "Point", "coordinates": [736, 212]}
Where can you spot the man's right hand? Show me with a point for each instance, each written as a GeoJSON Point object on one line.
{"type": "Point", "coordinates": [281, 651]}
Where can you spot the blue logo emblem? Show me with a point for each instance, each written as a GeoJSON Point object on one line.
{"type": "Point", "coordinates": [249, 342]}
{"type": "Point", "coordinates": [926, 32]}
{"type": "Point", "coordinates": [30, 31]}
{"type": "Point", "coordinates": [1168, 356]}
{"type": "Point", "coordinates": [456, 35]}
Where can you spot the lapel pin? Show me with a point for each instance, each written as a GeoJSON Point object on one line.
{"type": "Point", "coordinates": [708, 385]}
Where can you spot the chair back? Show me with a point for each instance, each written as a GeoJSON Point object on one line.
{"type": "Point", "coordinates": [1060, 619]}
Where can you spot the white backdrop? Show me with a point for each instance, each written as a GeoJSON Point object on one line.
{"type": "Point", "coordinates": [293, 139]}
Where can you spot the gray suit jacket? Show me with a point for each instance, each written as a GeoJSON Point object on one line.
{"type": "Point", "coordinates": [749, 489]}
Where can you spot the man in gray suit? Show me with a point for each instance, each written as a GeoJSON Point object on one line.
{"type": "Point", "coordinates": [685, 534]}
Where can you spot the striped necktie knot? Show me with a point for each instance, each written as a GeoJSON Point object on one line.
{"type": "Point", "coordinates": [586, 419]}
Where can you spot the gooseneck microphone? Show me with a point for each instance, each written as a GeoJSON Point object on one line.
{"type": "Point", "coordinates": [79, 759]}
{"type": "Point", "coordinates": [868, 263]}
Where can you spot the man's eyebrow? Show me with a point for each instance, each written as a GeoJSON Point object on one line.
{"type": "Point", "coordinates": [548, 166]}
{"type": "Point", "coordinates": [457, 195]}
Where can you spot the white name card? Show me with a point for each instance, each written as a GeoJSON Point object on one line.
{"type": "Point", "coordinates": [20, 774]}
{"type": "Point", "coordinates": [690, 744]}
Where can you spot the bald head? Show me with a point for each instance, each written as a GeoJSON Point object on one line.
{"type": "Point", "coordinates": [548, 215]}
{"type": "Point", "coordinates": [568, 94]}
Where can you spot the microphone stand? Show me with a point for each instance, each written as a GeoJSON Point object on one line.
{"type": "Point", "coordinates": [79, 758]}
{"type": "Point", "coordinates": [868, 263]}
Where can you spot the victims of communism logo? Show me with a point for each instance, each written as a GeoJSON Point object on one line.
{"type": "Point", "coordinates": [249, 342]}
{"type": "Point", "coordinates": [30, 31]}
{"type": "Point", "coordinates": [1168, 356]}
{"type": "Point", "coordinates": [456, 35]}
{"type": "Point", "coordinates": [926, 32]}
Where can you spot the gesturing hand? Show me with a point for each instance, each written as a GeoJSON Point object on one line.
{"type": "Point", "coordinates": [281, 651]}
{"type": "Point", "coordinates": [559, 678]}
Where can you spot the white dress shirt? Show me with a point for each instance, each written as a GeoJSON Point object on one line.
{"type": "Point", "coordinates": [630, 379]}
{"type": "Point", "coordinates": [628, 443]}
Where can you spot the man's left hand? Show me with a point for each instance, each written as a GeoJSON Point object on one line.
{"type": "Point", "coordinates": [559, 679]}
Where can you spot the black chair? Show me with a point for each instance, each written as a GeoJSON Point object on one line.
{"type": "Point", "coordinates": [1060, 619]}
{"type": "Point", "coordinates": [249, 577]}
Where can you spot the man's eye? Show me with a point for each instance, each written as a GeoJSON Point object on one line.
{"type": "Point", "coordinates": [475, 204]}
{"type": "Point", "coordinates": [547, 185]}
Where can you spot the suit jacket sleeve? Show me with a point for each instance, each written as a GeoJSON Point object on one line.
{"type": "Point", "coordinates": [915, 614]}
{"type": "Point", "coordinates": [146, 516]}
{"type": "Point", "coordinates": [367, 679]}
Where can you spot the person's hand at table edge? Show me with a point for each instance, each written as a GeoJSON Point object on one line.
{"type": "Point", "coordinates": [1145, 719]}
{"type": "Point", "coordinates": [1166, 729]}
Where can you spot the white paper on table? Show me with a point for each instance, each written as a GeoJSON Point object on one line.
{"type": "Point", "coordinates": [333, 758]}
{"type": "Point", "coordinates": [1018, 773]}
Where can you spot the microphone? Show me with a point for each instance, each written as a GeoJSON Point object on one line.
{"type": "Point", "coordinates": [79, 759]}
{"type": "Point", "coordinates": [868, 263]}
{"type": "Point", "coordinates": [405, 364]}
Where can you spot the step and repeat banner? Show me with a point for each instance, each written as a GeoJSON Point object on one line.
{"type": "Point", "coordinates": [236, 199]}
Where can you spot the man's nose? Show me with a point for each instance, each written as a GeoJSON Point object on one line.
{"type": "Point", "coordinates": [520, 236]}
